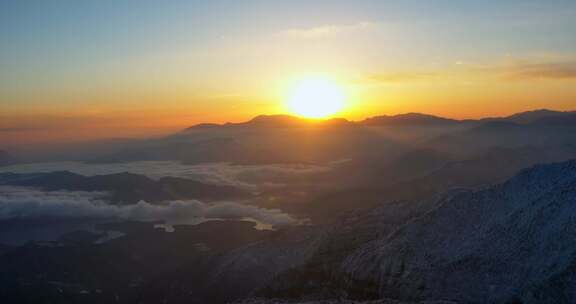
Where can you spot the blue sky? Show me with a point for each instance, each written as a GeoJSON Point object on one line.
{"type": "Point", "coordinates": [66, 31]}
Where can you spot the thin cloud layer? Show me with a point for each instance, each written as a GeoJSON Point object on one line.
{"type": "Point", "coordinates": [328, 30]}
{"type": "Point", "coordinates": [521, 71]}
{"type": "Point", "coordinates": [565, 70]}
{"type": "Point", "coordinates": [399, 77]}
{"type": "Point", "coordinates": [21, 202]}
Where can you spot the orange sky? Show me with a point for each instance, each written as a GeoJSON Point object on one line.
{"type": "Point", "coordinates": [76, 71]}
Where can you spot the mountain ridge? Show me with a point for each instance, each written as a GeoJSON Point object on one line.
{"type": "Point", "coordinates": [402, 119]}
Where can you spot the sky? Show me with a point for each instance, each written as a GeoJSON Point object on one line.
{"type": "Point", "coordinates": [72, 70]}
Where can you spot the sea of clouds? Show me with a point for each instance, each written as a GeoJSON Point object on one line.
{"type": "Point", "coordinates": [26, 203]}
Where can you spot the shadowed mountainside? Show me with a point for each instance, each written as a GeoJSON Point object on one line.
{"type": "Point", "coordinates": [509, 243]}
{"type": "Point", "coordinates": [429, 177]}
{"type": "Point", "coordinates": [550, 130]}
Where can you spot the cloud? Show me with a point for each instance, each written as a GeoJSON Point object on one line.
{"type": "Point", "coordinates": [327, 30]}
{"type": "Point", "coordinates": [518, 71]}
{"type": "Point", "coordinates": [561, 70]}
{"type": "Point", "coordinates": [21, 202]}
{"type": "Point", "coordinates": [398, 77]}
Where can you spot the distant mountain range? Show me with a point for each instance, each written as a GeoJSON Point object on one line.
{"type": "Point", "coordinates": [408, 119]}
{"type": "Point", "coordinates": [534, 116]}
{"type": "Point", "coordinates": [269, 139]}
{"type": "Point", "coordinates": [276, 121]}
{"type": "Point", "coordinates": [532, 128]}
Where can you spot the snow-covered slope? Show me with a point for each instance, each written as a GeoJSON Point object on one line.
{"type": "Point", "coordinates": [513, 242]}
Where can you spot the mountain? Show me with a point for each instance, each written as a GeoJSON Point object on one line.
{"type": "Point", "coordinates": [125, 188]}
{"type": "Point", "coordinates": [420, 175]}
{"type": "Point", "coordinates": [7, 159]}
{"type": "Point", "coordinates": [249, 268]}
{"type": "Point", "coordinates": [510, 242]}
{"type": "Point", "coordinates": [507, 243]}
{"type": "Point", "coordinates": [567, 120]}
{"type": "Point", "coordinates": [410, 119]}
{"type": "Point", "coordinates": [288, 121]}
{"type": "Point", "coordinates": [533, 116]}
{"type": "Point", "coordinates": [263, 140]}
{"type": "Point", "coordinates": [545, 131]}
{"type": "Point", "coordinates": [238, 141]}
{"type": "Point", "coordinates": [394, 217]}
{"type": "Point", "coordinates": [268, 139]}
{"type": "Point", "coordinates": [275, 121]}
{"type": "Point", "coordinates": [406, 119]}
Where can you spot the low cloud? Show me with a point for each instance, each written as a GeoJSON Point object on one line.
{"type": "Point", "coordinates": [327, 30]}
{"type": "Point", "coordinates": [565, 70]}
{"type": "Point", "coordinates": [21, 202]}
{"type": "Point", "coordinates": [249, 177]}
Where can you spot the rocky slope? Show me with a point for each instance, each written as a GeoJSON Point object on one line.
{"type": "Point", "coordinates": [508, 243]}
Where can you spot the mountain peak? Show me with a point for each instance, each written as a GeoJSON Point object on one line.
{"type": "Point", "coordinates": [409, 119]}
{"type": "Point", "coordinates": [277, 120]}
{"type": "Point", "coordinates": [535, 115]}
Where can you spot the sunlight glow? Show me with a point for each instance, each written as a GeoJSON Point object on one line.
{"type": "Point", "coordinates": [316, 97]}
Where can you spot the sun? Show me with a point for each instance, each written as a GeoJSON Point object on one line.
{"type": "Point", "coordinates": [315, 97]}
